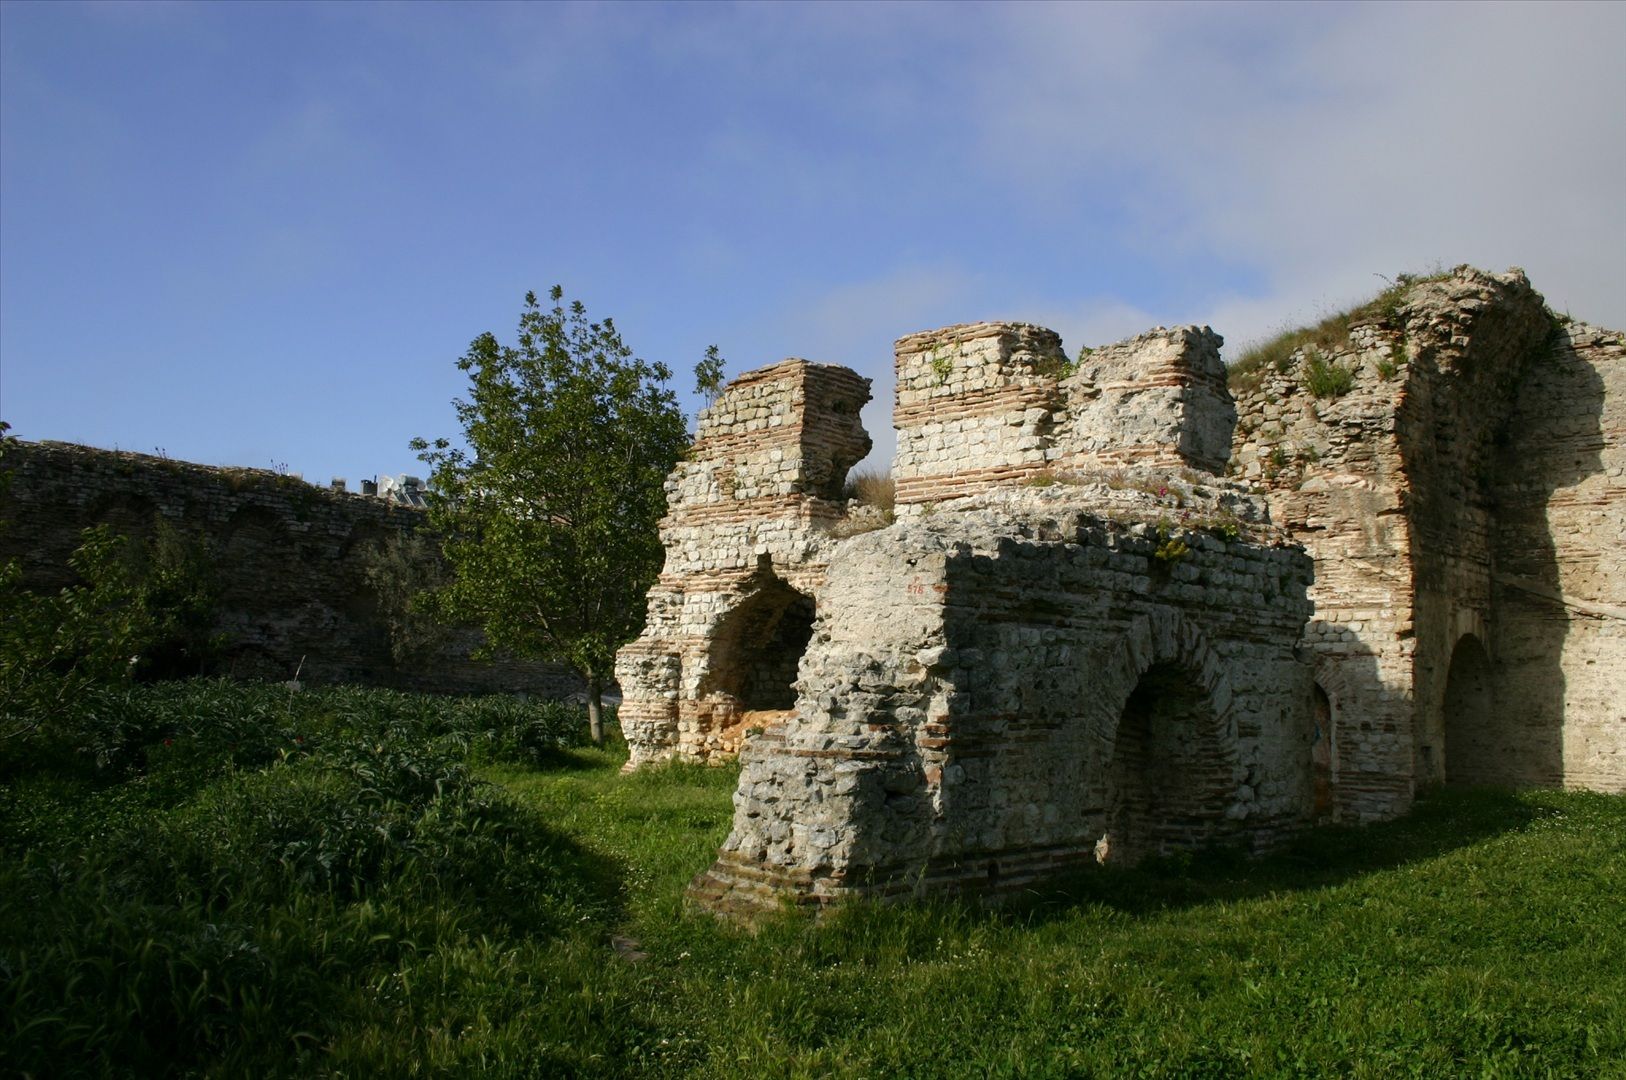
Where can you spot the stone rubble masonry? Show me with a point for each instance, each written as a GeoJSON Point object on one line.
{"type": "Point", "coordinates": [752, 514]}
{"type": "Point", "coordinates": [288, 559]}
{"type": "Point", "coordinates": [1558, 583]}
{"type": "Point", "coordinates": [991, 403]}
{"type": "Point", "coordinates": [1463, 504]}
{"type": "Point", "coordinates": [1120, 615]}
{"type": "Point", "coordinates": [961, 721]}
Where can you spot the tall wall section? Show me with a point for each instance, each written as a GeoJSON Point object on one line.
{"type": "Point", "coordinates": [752, 513]}
{"type": "Point", "coordinates": [985, 404]}
{"type": "Point", "coordinates": [1558, 586]}
{"type": "Point", "coordinates": [1393, 486]}
{"type": "Point", "coordinates": [288, 561]}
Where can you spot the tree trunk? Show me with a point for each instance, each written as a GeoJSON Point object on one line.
{"type": "Point", "coordinates": [595, 709]}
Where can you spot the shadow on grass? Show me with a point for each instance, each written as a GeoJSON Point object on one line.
{"type": "Point", "coordinates": [584, 759]}
{"type": "Point", "coordinates": [1441, 821]}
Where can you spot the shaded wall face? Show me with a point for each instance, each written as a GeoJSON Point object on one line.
{"type": "Point", "coordinates": [1470, 340]}
{"type": "Point", "coordinates": [962, 707]}
{"type": "Point", "coordinates": [1559, 640]}
{"type": "Point", "coordinates": [288, 560]}
{"type": "Point", "coordinates": [1394, 488]}
{"type": "Point", "coordinates": [1474, 744]}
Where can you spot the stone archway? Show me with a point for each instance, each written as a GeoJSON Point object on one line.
{"type": "Point", "coordinates": [1478, 739]}
{"type": "Point", "coordinates": [1171, 773]}
{"type": "Point", "coordinates": [752, 663]}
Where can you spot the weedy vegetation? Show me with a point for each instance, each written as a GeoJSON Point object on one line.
{"type": "Point", "coordinates": [871, 487]}
{"type": "Point", "coordinates": [215, 879]}
{"type": "Point", "coordinates": [1386, 310]}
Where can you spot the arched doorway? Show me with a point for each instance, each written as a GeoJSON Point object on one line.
{"type": "Point", "coordinates": [1478, 743]}
{"type": "Point", "coordinates": [1323, 756]}
{"type": "Point", "coordinates": [755, 654]}
{"type": "Point", "coordinates": [1170, 779]}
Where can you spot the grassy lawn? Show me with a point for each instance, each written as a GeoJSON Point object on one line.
{"type": "Point", "coordinates": [526, 918]}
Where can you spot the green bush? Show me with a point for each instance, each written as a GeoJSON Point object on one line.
{"type": "Point", "coordinates": [1327, 379]}
{"type": "Point", "coordinates": [224, 866]}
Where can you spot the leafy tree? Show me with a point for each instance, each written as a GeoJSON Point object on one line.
{"type": "Point", "coordinates": [551, 512]}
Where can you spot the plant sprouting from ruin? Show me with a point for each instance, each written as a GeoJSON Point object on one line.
{"type": "Point", "coordinates": [708, 375]}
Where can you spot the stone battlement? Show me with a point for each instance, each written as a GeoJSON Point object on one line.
{"type": "Point", "coordinates": [993, 403]}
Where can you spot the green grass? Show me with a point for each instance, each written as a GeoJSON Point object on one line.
{"type": "Point", "coordinates": [379, 906]}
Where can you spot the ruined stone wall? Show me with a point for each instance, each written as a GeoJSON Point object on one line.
{"type": "Point", "coordinates": [287, 560]}
{"type": "Point", "coordinates": [1081, 644]}
{"type": "Point", "coordinates": [1392, 487]}
{"type": "Point", "coordinates": [1559, 581]}
{"type": "Point", "coordinates": [985, 404]}
{"type": "Point", "coordinates": [751, 515]}
{"type": "Point", "coordinates": [1019, 684]}
{"type": "Point", "coordinates": [1469, 339]}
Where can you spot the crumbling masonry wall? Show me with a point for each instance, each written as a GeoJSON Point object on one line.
{"type": "Point", "coordinates": [1079, 643]}
{"type": "Point", "coordinates": [1424, 494]}
{"type": "Point", "coordinates": [1019, 685]}
{"type": "Point", "coordinates": [995, 403]}
{"type": "Point", "coordinates": [288, 560]}
{"type": "Point", "coordinates": [1558, 583]}
{"type": "Point", "coordinates": [752, 514]}
{"type": "Point", "coordinates": [1016, 677]}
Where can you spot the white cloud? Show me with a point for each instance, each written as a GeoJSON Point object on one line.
{"type": "Point", "coordinates": [1336, 143]}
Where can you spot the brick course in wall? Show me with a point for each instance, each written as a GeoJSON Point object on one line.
{"type": "Point", "coordinates": [986, 404]}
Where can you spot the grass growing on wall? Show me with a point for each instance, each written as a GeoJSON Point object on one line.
{"type": "Point", "coordinates": [1327, 336]}
{"type": "Point", "coordinates": [363, 883]}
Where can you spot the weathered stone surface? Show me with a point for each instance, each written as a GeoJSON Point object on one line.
{"type": "Point", "coordinates": [751, 517]}
{"type": "Point", "coordinates": [288, 559]}
{"type": "Point", "coordinates": [1018, 684]}
{"type": "Point", "coordinates": [1080, 644]}
{"type": "Point", "coordinates": [1461, 509]}
{"type": "Point", "coordinates": [990, 403]}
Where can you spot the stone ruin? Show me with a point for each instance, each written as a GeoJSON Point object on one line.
{"type": "Point", "coordinates": [1112, 620]}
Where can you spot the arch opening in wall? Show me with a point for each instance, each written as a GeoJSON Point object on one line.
{"type": "Point", "coordinates": [1479, 743]}
{"type": "Point", "coordinates": [1323, 757]}
{"type": "Point", "coordinates": [758, 649]}
{"type": "Point", "coordinates": [1170, 779]}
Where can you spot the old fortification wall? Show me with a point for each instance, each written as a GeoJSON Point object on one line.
{"type": "Point", "coordinates": [752, 513]}
{"type": "Point", "coordinates": [1077, 646]}
{"type": "Point", "coordinates": [1080, 642]}
{"type": "Point", "coordinates": [287, 558]}
{"type": "Point", "coordinates": [994, 403]}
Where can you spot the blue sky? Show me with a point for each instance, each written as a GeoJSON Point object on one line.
{"type": "Point", "coordinates": [262, 234]}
